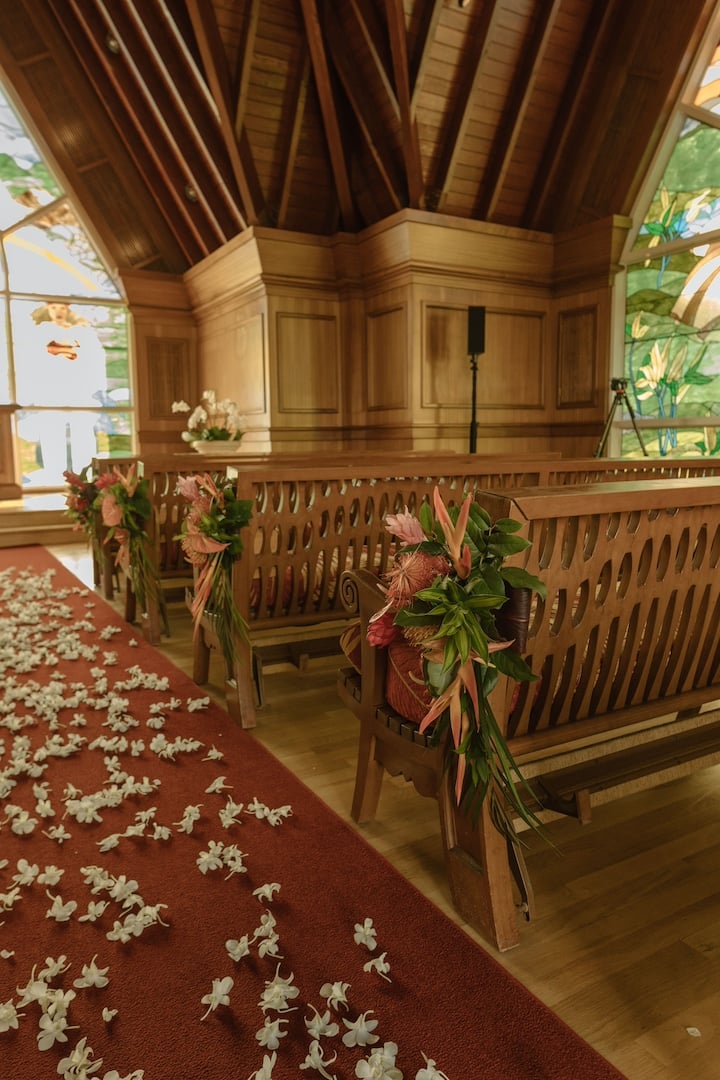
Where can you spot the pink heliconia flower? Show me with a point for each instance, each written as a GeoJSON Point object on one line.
{"type": "Point", "coordinates": [208, 485]}
{"type": "Point", "coordinates": [405, 527]}
{"type": "Point", "coordinates": [111, 512]}
{"type": "Point", "coordinates": [204, 584]}
{"type": "Point", "coordinates": [452, 698]}
{"type": "Point", "coordinates": [104, 480]}
{"type": "Point", "coordinates": [455, 534]}
{"type": "Point", "coordinates": [129, 481]}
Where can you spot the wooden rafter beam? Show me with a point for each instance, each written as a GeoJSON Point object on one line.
{"type": "Point", "coordinates": [477, 39]}
{"type": "Point", "coordinates": [141, 133]}
{"type": "Point", "coordinates": [373, 35]}
{"type": "Point", "coordinates": [300, 98]}
{"type": "Point", "coordinates": [356, 93]}
{"type": "Point", "coordinates": [529, 70]}
{"type": "Point", "coordinates": [191, 114]}
{"type": "Point", "coordinates": [331, 123]}
{"type": "Point", "coordinates": [395, 14]}
{"type": "Point", "coordinates": [204, 23]}
{"type": "Point", "coordinates": [244, 67]}
{"type": "Point", "coordinates": [149, 59]}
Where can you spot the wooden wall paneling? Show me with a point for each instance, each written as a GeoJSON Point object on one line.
{"type": "Point", "coordinates": [577, 358]}
{"type": "Point", "coordinates": [387, 359]}
{"type": "Point", "coordinates": [164, 357]}
{"type": "Point", "coordinates": [234, 363]}
{"type": "Point", "coordinates": [512, 370]}
{"type": "Point", "coordinates": [168, 374]}
{"type": "Point", "coordinates": [306, 364]}
{"type": "Point", "coordinates": [445, 367]}
{"type": "Point", "coordinates": [354, 354]}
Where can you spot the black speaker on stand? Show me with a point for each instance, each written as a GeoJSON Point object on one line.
{"type": "Point", "coordinates": [475, 348]}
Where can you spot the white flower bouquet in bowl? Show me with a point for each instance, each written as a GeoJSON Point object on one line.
{"type": "Point", "coordinates": [212, 421]}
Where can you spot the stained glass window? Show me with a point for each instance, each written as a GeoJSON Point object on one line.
{"type": "Point", "coordinates": [64, 356]}
{"type": "Point", "coordinates": [672, 331]}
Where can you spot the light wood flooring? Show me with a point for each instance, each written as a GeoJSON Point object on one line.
{"type": "Point", "coordinates": [625, 946]}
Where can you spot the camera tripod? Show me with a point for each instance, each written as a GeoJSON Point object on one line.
{"type": "Point", "coordinates": [619, 387]}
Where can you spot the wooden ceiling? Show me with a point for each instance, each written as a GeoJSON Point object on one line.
{"type": "Point", "coordinates": [178, 124]}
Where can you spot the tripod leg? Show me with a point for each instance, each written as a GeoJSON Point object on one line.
{"type": "Point", "coordinates": [636, 428]}
{"type": "Point", "coordinates": [608, 425]}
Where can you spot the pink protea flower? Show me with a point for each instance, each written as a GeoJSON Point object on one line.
{"type": "Point", "coordinates": [413, 571]}
{"type": "Point", "coordinates": [405, 527]}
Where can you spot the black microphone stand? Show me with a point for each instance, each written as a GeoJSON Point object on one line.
{"type": "Point", "coordinates": [473, 421]}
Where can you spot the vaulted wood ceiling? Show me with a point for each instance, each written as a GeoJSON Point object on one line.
{"type": "Point", "coordinates": [178, 124]}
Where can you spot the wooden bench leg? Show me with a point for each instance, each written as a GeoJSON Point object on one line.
{"type": "Point", "coordinates": [368, 779]}
{"type": "Point", "coordinates": [201, 658]}
{"type": "Point", "coordinates": [478, 868]}
{"type": "Point", "coordinates": [107, 575]}
{"type": "Point", "coordinates": [130, 602]}
{"type": "Point", "coordinates": [258, 679]}
{"type": "Point", "coordinates": [240, 687]}
{"type": "Point", "coordinates": [151, 623]}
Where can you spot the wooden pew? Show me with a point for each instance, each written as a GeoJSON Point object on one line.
{"type": "Point", "coordinates": [311, 521]}
{"type": "Point", "coordinates": [286, 631]}
{"type": "Point", "coordinates": [627, 650]}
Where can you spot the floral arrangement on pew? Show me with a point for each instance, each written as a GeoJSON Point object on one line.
{"type": "Point", "coordinates": [80, 504]}
{"type": "Point", "coordinates": [125, 508]}
{"type": "Point", "coordinates": [212, 420]}
{"type": "Point", "coordinates": [210, 537]}
{"type": "Point", "coordinates": [444, 593]}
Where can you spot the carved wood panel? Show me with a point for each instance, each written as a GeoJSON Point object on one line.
{"type": "Point", "coordinates": [632, 615]}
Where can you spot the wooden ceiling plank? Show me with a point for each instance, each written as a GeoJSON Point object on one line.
{"type": "Point", "coordinates": [430, 13]}
{"type": "Point", "coordinates": [165, 229]}
{"type": "Point", "coordinates": [356, 93]}
{"type": "Point", "coordinates": [528, 72]}
{"type": "Point", "coordinates": [152, 162]}
{"type": "Point", "coordinates": [395, 14]}
{"type": "Point", "coordinates": [479, 32]}
{"type": "Point", "coordinates": [207, 35]}
{"type": "Point", "coordinates": [373, 34]}
{"type": "Point", "coordinates": [331, 123]}
{"type": "Point", "coordinates": [586, 55]}
{"type": "Point", "coordinates": [131, 21]}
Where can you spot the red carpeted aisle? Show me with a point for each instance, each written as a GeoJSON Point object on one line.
{"type": "Point", "coordinates": [77, 743]}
